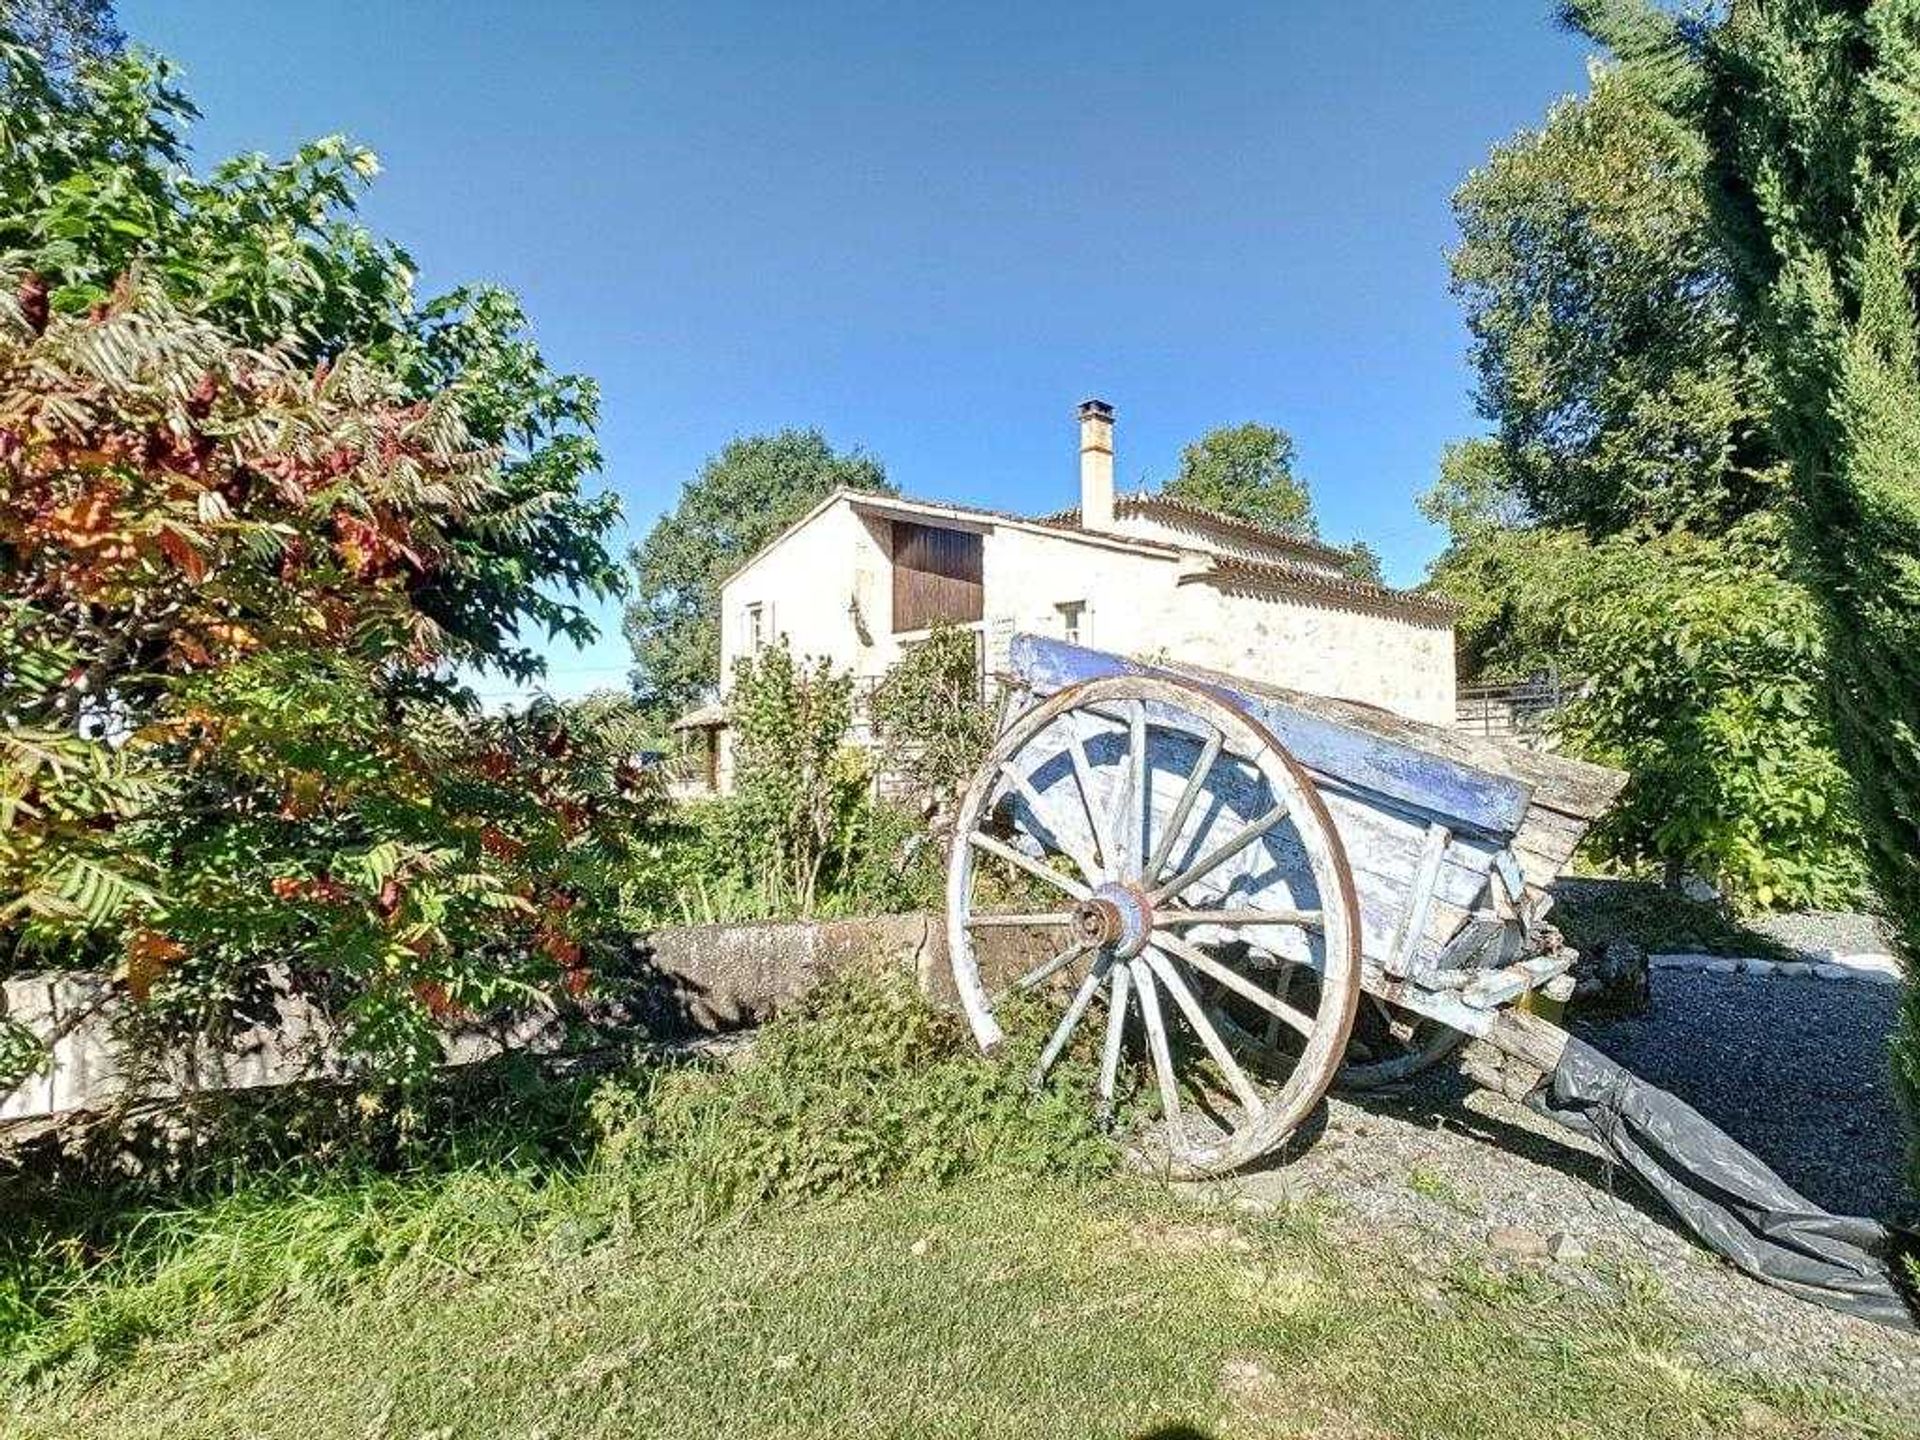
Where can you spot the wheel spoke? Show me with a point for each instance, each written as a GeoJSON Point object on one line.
{"type": "Point", "coordinates": [1117, 995]}
{"type": "Point", "coordinates": [1236, 982]}
{"type": "Point", "coordinates": [1196, 782]}
{"type": "Point", "coordinates": [1136, 846]}
{"type": "Point", "coordinates": [1162, 1052]}
{"type": "Point", "coordinates": [1313, 918]}
{"type": "Point", "coordinates": [1063, 1032]}
{"type": "Point", "coordinates": [1220, 854]}
{"type": "Point", "coordinates": [1039, 809]}
{"type": "Point", "coordinates": [1097, 825]}
{"type": "Point", "coordinates": [1242, 1087]}
{"type": "Point", "coordinates": [1047, 969]}
{"type": "Point", "coordinates": [1282, 987]}
{"type": "Point", "coordinates": [982, 841]}
{"type": "Point", "coordinates": [1022, 921]}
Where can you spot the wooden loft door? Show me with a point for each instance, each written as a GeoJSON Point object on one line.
{"type": "Point", "coordinates": [936, 576]}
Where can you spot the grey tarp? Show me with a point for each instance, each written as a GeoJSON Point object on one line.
{"type": "Point", "coordinates": [1736, 1206]}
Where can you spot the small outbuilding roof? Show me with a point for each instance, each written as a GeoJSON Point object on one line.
{"type": "Point", "coordinates": [710, 716]}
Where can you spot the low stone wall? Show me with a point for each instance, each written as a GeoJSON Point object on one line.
{"type": "Point", "coordinates": [695, 979]}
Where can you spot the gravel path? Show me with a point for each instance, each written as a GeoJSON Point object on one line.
{"type": "Point", "coordinates": [1792, 1068]}
{"type": "Point", "coordinates": [1817, 930]}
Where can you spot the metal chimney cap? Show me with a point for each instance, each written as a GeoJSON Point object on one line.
{"type": "Point", "coordinates": [1095, 410]}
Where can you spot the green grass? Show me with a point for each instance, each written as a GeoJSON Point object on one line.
{"type": "Point", "coordinates": [983, 1309]}
{"type": "Point", "coordinates": [863, 1231]}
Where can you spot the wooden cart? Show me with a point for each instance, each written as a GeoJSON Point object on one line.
{"type": "Point", "coordinates": [1260, 893]}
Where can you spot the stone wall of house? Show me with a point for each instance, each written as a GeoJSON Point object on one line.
{"type": "Point", "coordinates": [1138, 605]}
{"type": "Point", "coordinates": [1399, 663]}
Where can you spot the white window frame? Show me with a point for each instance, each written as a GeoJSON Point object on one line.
{"type": "Point", "coordinates": [1075, 621]}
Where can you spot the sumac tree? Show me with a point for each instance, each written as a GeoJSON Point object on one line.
{"type": "Point", "coordinates": [259, 509]}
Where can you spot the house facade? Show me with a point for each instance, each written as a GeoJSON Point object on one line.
{"type": "Point", "coordinates": [861, 577]}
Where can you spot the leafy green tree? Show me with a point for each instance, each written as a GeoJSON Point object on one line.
{"type": "Point", "coordinates": [1610, 357]}
{"type": "Point", "coordinates": [1363, 563]}
{"type": "Point", "coordinates": [66, 34]}
{"type": "Point", "coordinates": [95, 186]}
{"type": "Point", "coordinates": [1246, 471]}
{"type": "Point", "coordinates": [1629, 501]}
{"type": "Point", "coordinates": [1811, 113]}
{"type": "Point", "coordinates": [257, 506]}
{"type": "Point", "coordinates": [743, 497]}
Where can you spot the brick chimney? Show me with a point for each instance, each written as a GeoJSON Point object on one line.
{"type": "Point", "coordinates": [1096, 465]}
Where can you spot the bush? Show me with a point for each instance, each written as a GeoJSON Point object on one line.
{"type": "Point", "coordinates": [863, 1085]}
{"type": "Point", "coordinates": [1701, 661]}
{"type": "Point", "coordinates": [259, 508]}
{"type": "Point", "coordinates": [933, 728]}
{"type": "Point", "coordinates": [700, 867]}
{"type": "Point", "coordinates": [795, 783]}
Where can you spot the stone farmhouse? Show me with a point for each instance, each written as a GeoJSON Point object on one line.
{"type": "Point", "coordinates": [860, 577]}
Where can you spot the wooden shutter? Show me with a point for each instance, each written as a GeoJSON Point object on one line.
{"type": "Point", "coordinates": [936, 576]}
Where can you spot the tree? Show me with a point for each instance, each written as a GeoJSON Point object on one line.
{"type": "Point", "coordinates": [65, 34]}
{"type": "Point", "coordinates": [256, 506]}
{"type": "Point", "coordinates": [1811, 115]}
{"type": "Point", "coordinates": [1246, 471]}
{"type": "Point", "coordinates": [95, 186]}
{"type": "Point", "coordinates": [1363, 563]}
{"type": "Point", "coordinates": [1622, 523]}
{"type": "Point", "coordinates": [743, 497]}
{"type": "Point", "coordinates": [1610, 359]}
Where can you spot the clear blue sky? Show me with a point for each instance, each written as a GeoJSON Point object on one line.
{"type": "Point", "coordinates": [930, 230]}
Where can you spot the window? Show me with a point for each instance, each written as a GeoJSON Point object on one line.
{"type": "Point", "coordinates": [1073, 621]}
{"type": "Point", "coordinates": [936, 576]}
{"type": "Point", "coordinates": [756, 629]}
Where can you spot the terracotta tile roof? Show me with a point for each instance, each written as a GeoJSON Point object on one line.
{"type": "Point", "coordinates": [1169, 507]}
{"type": "Point", "coordinates": [1228, 573]}
{"type": "Point", "coordinates": [1278, 576]}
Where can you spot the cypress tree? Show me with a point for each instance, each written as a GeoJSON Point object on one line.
{"type": "Point", "coordinates": [1811, 112]}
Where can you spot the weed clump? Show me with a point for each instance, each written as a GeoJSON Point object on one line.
{"type": "Point", "coordinates": [863, 1085]}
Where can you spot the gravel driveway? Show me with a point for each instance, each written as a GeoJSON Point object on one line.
{"type": "Point", "coordinates": [1792, 1068]}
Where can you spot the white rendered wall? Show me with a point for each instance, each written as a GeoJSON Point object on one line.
{"type": "Point", "coordinates": [811, 583]}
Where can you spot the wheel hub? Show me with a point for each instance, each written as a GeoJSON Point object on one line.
{"type": "Point", "coordinates": [1117, 917]}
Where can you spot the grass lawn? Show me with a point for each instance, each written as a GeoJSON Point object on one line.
{"type": "Point", "coordinates": [866, 1230]}
{"type": "Point", "coordinates": [985, 1309]}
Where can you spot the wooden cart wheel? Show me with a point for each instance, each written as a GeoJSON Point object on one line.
{"type": "Point", "coordinates": [1160, 842]}
{"type": "Point", "coordinates": [1388, 1043]}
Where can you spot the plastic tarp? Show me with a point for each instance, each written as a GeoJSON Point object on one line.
{"type": "Point", "coordinates": [1723, 1193]}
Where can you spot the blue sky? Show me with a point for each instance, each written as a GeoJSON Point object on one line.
{"type": "Point", "coordinates": [931, 230]}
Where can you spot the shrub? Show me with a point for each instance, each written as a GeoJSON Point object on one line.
{"type": "Point", "coordinates": [862, 1085]}
{"type": "Point", "coordinates": [1701, 661]}
{"type": "Point", "coordinates": [933, 727]}
{"type": "Point", "coordinates": [700, 867]}
{"type": "Point", "coordinates": [258, 510]}
{"type": "Point", "coordinates": [796, 784]}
